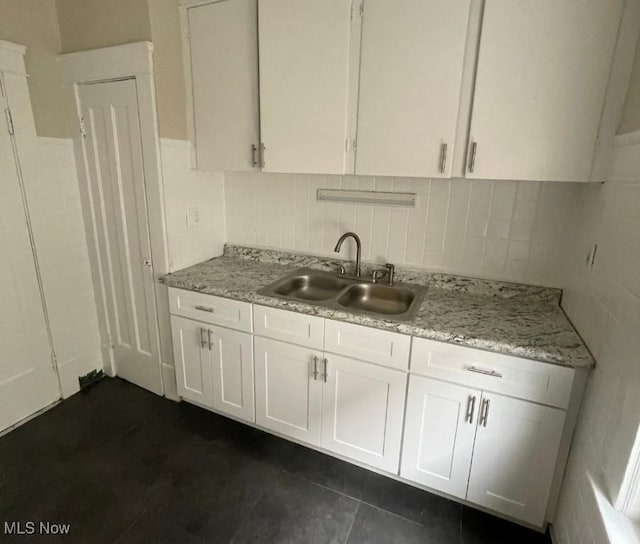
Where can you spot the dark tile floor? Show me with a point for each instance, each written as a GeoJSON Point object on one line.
{"type": "Point", "coordinates": [123, 465]}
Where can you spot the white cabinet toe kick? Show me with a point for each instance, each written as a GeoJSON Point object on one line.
{"type": "Point", "coordinates": [486, 429]}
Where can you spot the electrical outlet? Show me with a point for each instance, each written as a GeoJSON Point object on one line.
{"type": "Point", "coordinates": [193, 218]}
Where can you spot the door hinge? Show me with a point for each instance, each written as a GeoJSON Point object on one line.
{"type": "Point", "coordinates": [83, 130]}
{"type": "Point", "coordinates": [352, 11]}
{"type": "Point", "coordinates": [7, 114]}
{"type": "Point", "coordinates": [110, 341]}
{"type": "Point", "coordinates": [362, 8]}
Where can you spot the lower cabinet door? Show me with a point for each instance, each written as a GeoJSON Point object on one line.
{"type": "Point", "coordinates": [440, 426]}
{"type": "Point", "coordinates": [514, 457]}
{"type": "Point", "coordinates": [363, 407]}
{"type": "Point", "coordinates": [232, 362]}
{"type": "Point", "coordinates": [288, 389]}
{"type": "Point", "coordinates": [194, 372]}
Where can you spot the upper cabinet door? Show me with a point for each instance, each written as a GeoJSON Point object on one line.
{"type": "Point", "coordinates": [410, 80]}
{"type": "Point", "coordinates": [223, 38]}
{"type": "Point", "coordinates": [542, 74]}
{"type": "Point", "coordinates": [304, 84]}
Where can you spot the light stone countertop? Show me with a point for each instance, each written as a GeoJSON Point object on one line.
{"type": "Point", "coordinates": [509, 318]}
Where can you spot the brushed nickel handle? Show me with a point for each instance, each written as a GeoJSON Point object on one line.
{"type": "Point", "coordinates": [203, 338]}
{"type": "Point", "coordinates": [484, 412]}
{"type": "Point", "coordinates": [492, 373]}
{"type": "Point", "coordinates": [209, 333]}
{"type": "Point", "coordinates": [471, 408]}
{"type": "Point", "coordinates": [262, 150]}
{"type": "Point", "coordinates": [204, 308]}
{"type": "Point", "coordinates": [326, 365]}
{"type": "Point", "coordinates": [443, 158]}
{"type": "Point", "coordinates": [254, 158]}
{"type": "Point", "coordinates": [472, 158]}
{"type": "Point", "coordinates": [315, 367]}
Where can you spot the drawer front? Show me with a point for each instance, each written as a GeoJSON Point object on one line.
{"type": "Point", "coordinates": [301, 329]}
{"type": "Point", "coordinates": [521, 378]}
{"type": "Point", "coordinates": [373, 345]}
{"type": "Point", "coordinates": [211, 309]}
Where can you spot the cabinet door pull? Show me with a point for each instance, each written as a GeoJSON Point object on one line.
{"type": "Point", "coordinates": [204, 308]}
{"type": "Point", "coordinates": [443, 158]}
{"type": "Point", "coordinates": [492, 373]}
{"type": "Point", "coordinates": [484, 412]}
{"type": "Point", "coordinates": [326, 365]}
{"type": "Point", "coordinates": [471, 408]}
{"type": "Point", "coordinates": [209, 334]}
{"type": "Point", "coordinates": [203, 337]}
{"type": "Point", "coordinates": [315, 367]}
{"type": "Point", "coordinates": [472, 157]}
{"type": "Point", "coordinates": [254, 156]}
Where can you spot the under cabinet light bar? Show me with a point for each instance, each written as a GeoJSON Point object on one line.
{"type": "Point", "coordinates": [368, 197]}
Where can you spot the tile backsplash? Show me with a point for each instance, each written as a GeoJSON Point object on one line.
{"type": "Point", "coordinates": [508, 230]}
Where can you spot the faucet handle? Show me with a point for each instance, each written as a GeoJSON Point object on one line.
{"type": "Point", "coordinates": [341, 270]}
{"type": "Point", "coordinates": [378, 274]}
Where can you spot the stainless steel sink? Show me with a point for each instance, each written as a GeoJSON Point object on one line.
{"type": "Point", "coordinates": [310, 286]}
{"type": "Point", "coordinates": [376, 298]}
{"type": "Point", "coordinates": [399, 301]}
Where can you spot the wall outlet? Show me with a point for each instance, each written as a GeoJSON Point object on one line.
{"type": "Point", "coordinates": [193, 218]}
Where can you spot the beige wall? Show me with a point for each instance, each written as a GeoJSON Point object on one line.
{"type": "Point", "coordinates": [167, 58]}
{"type": "Point", "coordinates": [88, 24]}
{"type": "Point", "coordinates": [34, 23]}
{"type": "Point", "coordinates": [631, 115]}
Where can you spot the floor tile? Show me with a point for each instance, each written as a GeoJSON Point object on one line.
{"type": "Point", "coordinates": [300, 512]}
{"type": "Point", "coordinates": [376, 526]}
{"type": "Point", "coordinates": [481, 528]}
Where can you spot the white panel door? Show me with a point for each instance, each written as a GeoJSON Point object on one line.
{"type": "Point", "coordinates": [113, 156]}
{"type": "Point", "coordinates": [232, 362]}
{"type": "Point", "coordinates": [542, 75]}
{"type": "Point", "coordinates": [410, 79]}
{"type": "Point", "coordinates": [288, 391]}
{"type": "Point", "coordinates": [193, 360]}
{"type": "Point", "coordinates": [304, 84]}
{"type": "Point", "coordinates": [28, 381]}
{"type": "Point", "coordinates": [440, 426]}
{"type": "Point", "coordinates": [223, 38]}
{"type": "Point", "coordinates": [514, 457]}
{"type": "Point", "coordinates": [363, 406]}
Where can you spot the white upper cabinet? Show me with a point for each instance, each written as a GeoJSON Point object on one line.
{"type": "Point", "coordinates": [223, 47]}
{"type": "Point", "coordinates": [411, 66]}
{"type": "Point", "coordinates": [542, 75]}
{"type": "Point", "coordinates": [304, 84]}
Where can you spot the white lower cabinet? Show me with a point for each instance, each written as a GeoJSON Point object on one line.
{"type": "Point", "coordinates": [514, 457]}
{"type": "Point", "coordinates": [288, 389]}
{"type": "Point", "coordinates": [363, 406]}
{"type": "Point", "coordinates": [440, 427]}
{"type": "Point", "coordinates": [214, 366]}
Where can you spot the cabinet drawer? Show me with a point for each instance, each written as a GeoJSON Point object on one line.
{"type": "Point", "coordinates": [522, 378]}
{"type": "Point", "coordinates": [302, 329]}
{"type": "Point", "coordinates": [211, 309]}
{"type": "Point", "coordinates": [373, 345]}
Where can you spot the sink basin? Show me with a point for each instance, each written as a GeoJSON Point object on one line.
{"type": "Point", "coordinates": [376, 298]}
{"type": "Point", "coordinates": [310, 286]}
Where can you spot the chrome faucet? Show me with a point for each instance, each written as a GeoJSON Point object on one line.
{"type": "Point", "coordinates": [358, 248]}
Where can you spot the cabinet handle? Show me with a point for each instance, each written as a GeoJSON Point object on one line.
{"type": "Point", "coordinates": [209, 333]}
{"type": "Point", "coordinates": [492, 373]}
{"type": "Point", "coordinates": [254, 158]}
{"type": "Point", "coordinates": [443, 158]}
{"type": "Point", "coordinates": [262, 150]}
{"type": "Point", "coordinates": [204, 309]}
{"type": "Point", "coordinates": [471, 408]}
{"type": "Point", "coordinates": [326, 365]}
{"type": "Point", "coordinates": [484, 412]}
{"type": "Point", "coordinates": [203, 338]}
{"type": "Point", "coordinates": [472, 157]}
{"type": "Point", "coordinates": [315, 368]}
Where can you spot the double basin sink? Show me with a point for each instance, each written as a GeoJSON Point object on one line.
{"type": "Point", "coordinates": [400, 301]}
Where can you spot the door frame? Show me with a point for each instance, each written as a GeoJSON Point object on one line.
{"type": "Point", "coordinates": [129, 61]}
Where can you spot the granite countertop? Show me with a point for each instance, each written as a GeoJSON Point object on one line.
{"type": "Point", "coordinates": [514, 319]}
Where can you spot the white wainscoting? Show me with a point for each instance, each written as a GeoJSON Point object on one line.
{"type": "Point", "coordinates": [498, 229]}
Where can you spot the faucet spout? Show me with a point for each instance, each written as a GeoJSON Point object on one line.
{"type": "Point", "coordinates": [358, 248]}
